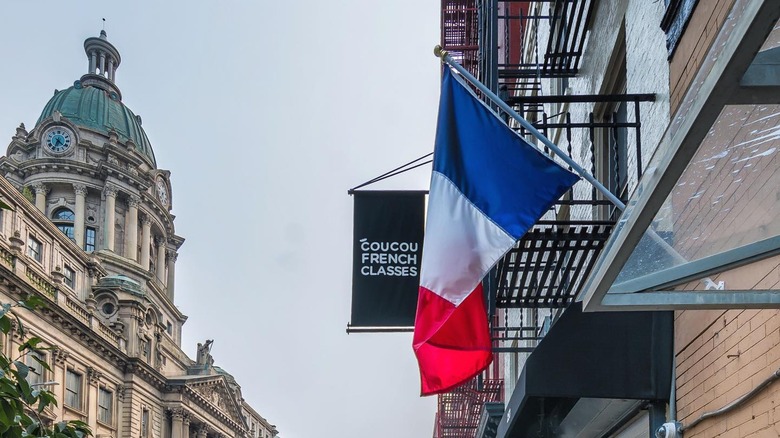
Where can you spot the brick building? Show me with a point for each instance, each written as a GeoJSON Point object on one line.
{"type": "Point", "coordinates": [611, 322]}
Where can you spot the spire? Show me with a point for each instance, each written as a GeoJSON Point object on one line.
{"type": "Point", "coordinates": [103, 60]}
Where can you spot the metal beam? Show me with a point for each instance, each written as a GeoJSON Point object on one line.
{"type": "Point", "coordinates": [675, 300]}
{"type": "Point", "coordinates": [761, 82]}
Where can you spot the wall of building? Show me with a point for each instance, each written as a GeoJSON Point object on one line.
{"type": "Point", "coordinates": [706, 20]}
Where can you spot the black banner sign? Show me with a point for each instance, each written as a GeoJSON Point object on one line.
{"type": "Point", "coordinates": [386, 257]}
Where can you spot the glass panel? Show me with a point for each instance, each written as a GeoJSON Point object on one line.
{"type": "Point", "coordinates": [34, 249]}
{"type": "Point", "coordinates": [70, 277]}
{"type": "Point", "coordinates": [89, 245]}
{"type": "Point", "coordinates": [105, 406]}
{"type": "Point", "coordinates": [727, 197]}
{"type": "Point", "coordinates": [35, 375]}
{"type": "Point", "coordinates": [64, 214]}
{"type": "Point", "coordinates": [66, 229]}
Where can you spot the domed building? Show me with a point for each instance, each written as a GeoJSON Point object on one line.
{"type": "Point", "coordinates": [91, 232]}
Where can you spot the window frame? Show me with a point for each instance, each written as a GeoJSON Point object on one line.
{"type": "Point", "coordinates": [145, 420]}
{"type": "Point", "coordinates": [35, 254]}
{"type": "Point", "coordinates": [70, 277]}
{"type": "Point", "coordinates": [90, 233]}
{"type": "Point", "coordinates": [70, 371]}
{"type": "Point", "coordinates": [33, 365]}
{"type": "Point", "coordinates": [729, 56]}
{"type": "Point", "coordinates": [101, 408]}
{"type": "Point", "coordinates": [67, 224]}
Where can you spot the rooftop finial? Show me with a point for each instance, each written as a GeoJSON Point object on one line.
{"type": "Point", "coordinates": [103, 31]}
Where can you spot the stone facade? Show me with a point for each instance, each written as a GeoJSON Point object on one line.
{"type": "Point", "coordinates": [90, 231]}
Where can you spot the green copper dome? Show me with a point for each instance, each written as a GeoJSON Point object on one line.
{"type": "Point", "coordinates": [99, 110]}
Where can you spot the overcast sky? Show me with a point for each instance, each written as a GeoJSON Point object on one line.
{"type": "Point", "coordinates": [265, 112]}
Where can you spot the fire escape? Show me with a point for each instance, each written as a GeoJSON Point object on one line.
{"type": "Point", "coordinates": [512, 46]}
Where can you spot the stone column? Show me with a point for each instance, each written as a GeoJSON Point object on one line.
{"type": "Point", "coordinates": [92, 62]}
{"type": "Point", "coordinates": [185, 426]}
{"type": "Point", "coordinates": [160, 242]}
{"type": "Point", "coordinates": [110, 69]}
{"type": "Point", "coordinates": [78, 223]}
{"type": "Point", "coordinates": [109, 192]}
{"type": "Point", "coordinates": [40, 196]}
{"type": "Point", "coordinates": [172, 256]}
{"type": "Point", "coordinates": [146, 240]}
{"type": "Point", "coordinates": [131, 228]}
{"type": "Point", "coordinates": [177, 418]}
{"type": "Point", "coordinates": [102, 64]}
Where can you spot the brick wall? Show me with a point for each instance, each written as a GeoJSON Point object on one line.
{"type": "Point", "coordinates": [723, 354]}
{"type": "Point", "coordinates": [732, 355]}
{"type": "Point", "coordinates": [706, 20]}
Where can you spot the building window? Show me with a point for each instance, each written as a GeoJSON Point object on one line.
{"type": "Point", "coordinates": [34, 249]}
{"type": "Point", "coordinates": [145, 423]}
{"type": "Point", "coordinates": [89, 244]}
{"type": "Point", "coordinates": [678, 14]}
{"type": "Point", "coordinates": [63, 219]}
{"type": "Point", "coordinates": [70, 277]}
{"type": "Point", "coordinates": [105, 406]}
{"type": "Point", "coordinates": [33, 361]}
{"type": "Point", "coordinates": [73, 389]}
{"type": "Point", "coordinates": [169, 328]}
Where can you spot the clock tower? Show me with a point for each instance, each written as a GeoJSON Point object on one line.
{"type": "Point", "coordinates": [88, 165]}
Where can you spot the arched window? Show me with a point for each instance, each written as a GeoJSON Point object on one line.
{"type": "Point", "coordinates": [63, 219]}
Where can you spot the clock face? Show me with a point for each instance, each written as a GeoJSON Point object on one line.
{"type": "Point", "coordinates": [162, 192]}
{"type": "Point", "coordinates": [58, 140]}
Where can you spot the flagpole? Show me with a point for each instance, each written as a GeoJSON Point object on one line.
{"type": "Point", "coordinates": [447, 58]}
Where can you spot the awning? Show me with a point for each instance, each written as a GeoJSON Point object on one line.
{"type": "Point", "coordinates": [617, 356]}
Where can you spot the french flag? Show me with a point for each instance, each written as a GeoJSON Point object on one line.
{"type": "Point", "coordinates": [488, 187]}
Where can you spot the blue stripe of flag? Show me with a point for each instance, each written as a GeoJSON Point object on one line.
{"type": "Point", "coordinates": [506, 178]}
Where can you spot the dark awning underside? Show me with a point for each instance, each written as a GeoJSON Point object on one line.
{"type": "Point", "coordinates": [605, 355]}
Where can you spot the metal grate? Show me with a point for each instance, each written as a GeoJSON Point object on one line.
{"type": "Point", "coordinates": [460, 31]}
{"type": "Point", "coordinates": [459, 411]}
{"type": "Point", "coordinates": [548, 265]}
